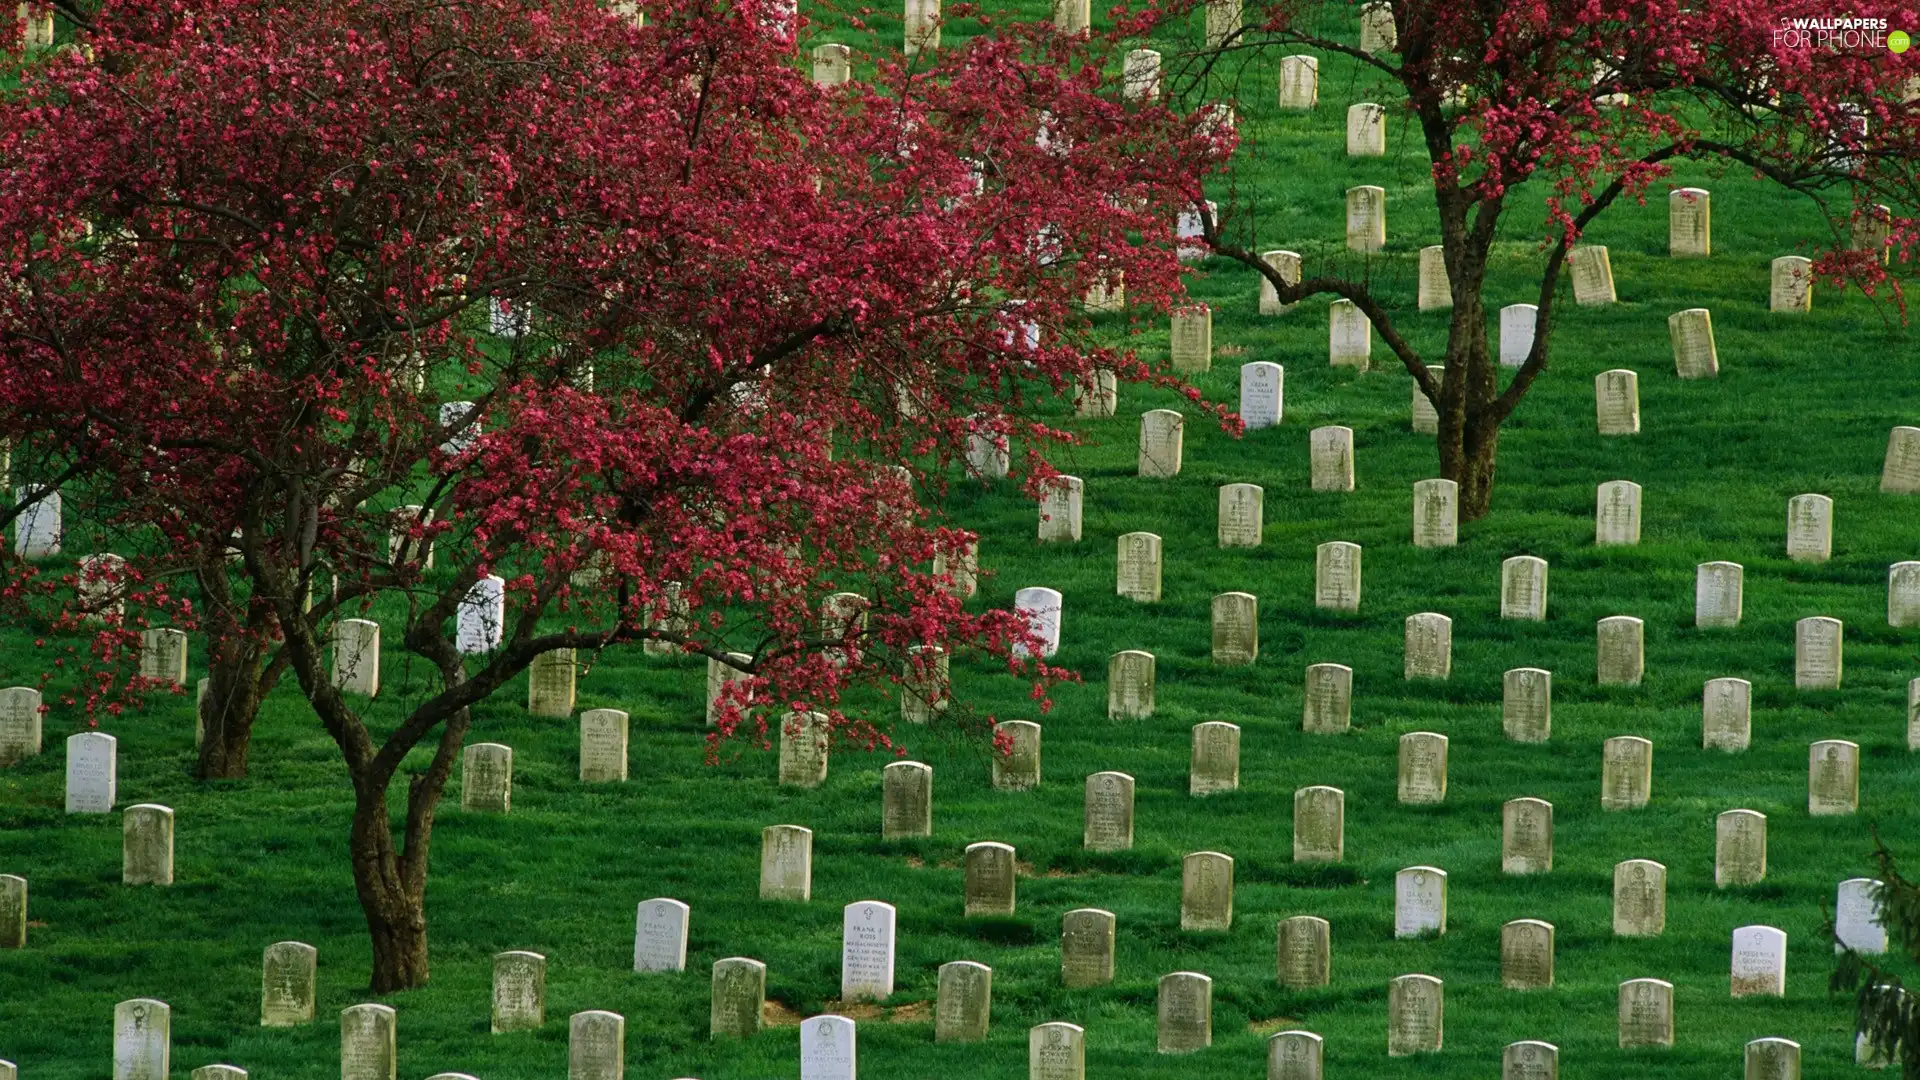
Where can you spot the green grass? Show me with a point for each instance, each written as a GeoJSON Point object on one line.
{"type": "Point", "coordinates": [1802, 405]}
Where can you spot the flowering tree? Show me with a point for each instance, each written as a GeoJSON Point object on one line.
{"type": "Point", "coordinates": [635, 325]}
{"type": "Point", "coordinates": [1589, 103]}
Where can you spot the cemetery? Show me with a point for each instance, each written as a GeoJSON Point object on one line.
{"type": "Point", "coordinates": [1346, 780]}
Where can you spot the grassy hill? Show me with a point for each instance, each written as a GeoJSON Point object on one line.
{"type": "Point", "coordinates": [1802, 404]}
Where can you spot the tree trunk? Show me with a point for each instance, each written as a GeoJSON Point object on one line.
{"type": "Point", "coordinates": [1472, 469]}
{"type": "Point", "coordinates": [231, 705]}
{"type": "Point", "coordinates": [395, 908]}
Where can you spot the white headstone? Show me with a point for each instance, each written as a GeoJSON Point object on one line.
{"type": "Point", "coordinates": [1040, 607]}
{"type": "Point", "coordinates": [827, 1048]}
{"type": "Point", "coordinates": [603, 746]}
{"type": "Point", "coordinates": [486, 778]}
{"type": "Point", "coordinates": [1523, 588]}
{"type": "Point", "coordinates": [1726, 714]}
{"type": "Point", "coordinates": [1616, 402]}
{"type": "Point", "coordinates": [92, 772]}
{"type": "Point", "coordinates": [1331, 449]}
{"type": "Point", "coordinates": [786, 863]}
{"type": "Point", "coordinates": [1366, 217]}
{"type": "Point", "coordinates": [1140, 75]}
{"type": "Point", "coordinates": [1419, 901]}
{"type": "Point", "coordinates": [1366, 130]}
{"type": "Point", "coordinates": [481, 618]}
{"type": "Point", "coordinates": [1299, 82]}
{"type": "Point", "coordinates": [1138, 576]}
{"type": "Point", "coordinates": [1718, 591]}
{"type": "Point", "coordinates": [1689, 223]}
{"type": "Point", "coordinates": [461, 415]}
{"type": "Point", "coordinates": [143, 1040]}
{"type": "Point", "coordinates": [866, 951]}
{"type": "Point", "coordinates": [1517, 322]}
{"type": "Point", "coordinates": [287, 984]}
{"type": "Point", "coordinates": [1161, 434]}
{"type": "Point", "coordinates": [1526, 705]}
{"type": "Point", "coordinates": [1336, 576]}
{"type": "Point", "coordinates": [1856, 917]}
{"type": "Point", "coordinates": [1810, 528]}
{"type": "Point", "coordinates": [37, 531]}
{"type": "Point", "coordinates": [1616, 517]}
{"type": "Point", "coordinates": [1694, 355]}
{"type": "Point", "coordinates": [1429, 646]}
{"type": "Point", "coordinates": [1262, 394]}
{"type": "Point", "coordinates": [1435, 288]}
{"type": "Point", "coordinates": [1060, 503]}
{"type": "Point", "coordinates": [1436, 513]}
{"type": "Point", "coordinates": [356, 656]}
{"type": "Point", "coordinates": [1327, 705]}
{"type": "Point", "coordinates": [1792, 285]}
{"type": "Point", "coordinates": [660, 935]}
{"type": "Point", "coordinates": [806, 741]}
{"type": "Point", "coordinates": [1816, 653]}
{"type": "Point", "coordinates": [1833, 778]}
{"type": "Point", "coordinates": [551, 683]}
{"type": "Point", "coordinates": [1759, 962]}
{"type": "Point", "coordinates": [1620, 648]}
{"type": "Point", "coordinates": [1592, 273]}
{"type": "Point", "coordinates": [1349, 335]}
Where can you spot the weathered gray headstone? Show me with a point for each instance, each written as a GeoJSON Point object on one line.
{"type": "Point", "coordinates": [906, 800]}
{"type": "Point", "coordinates": [805, 741]}
{"type": "Point", "coordinates": [964, 1002]}
{"type": "Point", "coordinates": [1206, 891]}
{"type": "Point", "coordinates": [1526, 836]}
{"type": "Point", "coordinates": [143, 1040]}
{"type": "Point", "coordinates": [1526, 705]}
{"type": "Point", "coordinates": [1759, 964]}
{"type": "Point", "coordinates": [1303, 952]}
{"type": "Point", "coordinates": [1626, 773]}
{"type": "Point", "coordinates": [1592, 273]}
{"type": "Point", "coordinates": [519, 991]}
{"type": "Point", "coordinates": [1216, 758]}
{"type": "Point", "coordinates": [1913, 714]}
{"type": "Point", "coordinates": [1019, 768]}
{"type": "Point", "coordinates": [1319, 824]}
{"type": "Point", "coordinates": [1857, 917]}
{"type": "Point", "coordinates": [1108, 812]}
{"type": "Point", "coordinates": [786, 863]}
{"type": "Point", "coordinates": [1366, 130]}
{"type": "Point", "coordinates": [1419, 901]}
{"type": "Point", "coordinates": [1791, 288]}
{"type": "Point", "coordinates": [1616, 402]}
{"type": "Point", "coordinates": [1426, 418]}
{"type": "Point", "coordinates": [1620, 651]}
{"type": "Point", "coordinates": [1833, 778]}
{"type": "Point", "coordinates": [1530, 1060]}
{"type": "Point", "coordinates": [1526, 955]}
{"type": "Point", "coordinates": [1366, 217]}
{"type": "Point", "coordinates": [832, 65]}
{"type": "Point", "coordinates": [1816, 653]}
{"type": "Point", "coordinates": [1236, 628]}
{"type": "Point", "coordinates": [1299, 82]}
{"type": "Point", "coordinates": [163, 655]}
{"type": "Point", "coordinates": [480, 620]}
{"type": "Point", "coordinates": [1435, 291]}
{"type": "Point", "coordinates": [356, 656]}
{"type": "Point", "coordinates": [1726, 714]}
{"type": "Point", "coordinates": [1331, 451]}
{"type": "Point", "coordinates": [1061, 498]}
{"type": "Point", "coordinates": [1138, 577]}
{"type": "Point", "coordinates": [1639, 898]}
{"type": "Point", "coordinates": [922, 29]}
{"type": "Point", "coordinates": [1130, 685]}
{"type": "Point", "coordinates": [1041, 608]}
{"type": "Point", "coordinates": [1423, 768]}
{"type": "Point", "coordinates": [1057, 1051]}
{"type": "Point", "coordinates": [1901, 473]}
{"type": "Point", "coordinates": [1429, 646]}
{"type": "Point", "coordinates": [1161, 434]}
{"type": "Point", "coordinates": [739, 997]}
{"type": "Point", "coordinates": [1739, 848]}
{"type": "Point", "coordinates": [1810, 528]}
{"type": "Point", "coordinates": [287, 972]}
{"type": "Point", "coordinates": [1295, 1055]}
{"type": "Point", "coordinates": [1349, 335]}
{"type": "Point", "coordinates": [1336, 576]}
{"type": "Point", "coordinates": [866, 951]}
{"type": "Point", "coordinates": [925, 684]}
{"type": "Point", "coordinates": [1086, 948]}
{"type": "Point", "coordinates": [367, 1043]}
{"type": "Point", "coordinates": [1646, 1013]}
{"type": "Point", "coordinates": [1192, 339]}
{"type": "Point", "coordinates": [1772, 1059]}
{"type": "Point", "coordinates": [1616, 517]}
{"type": "Point", "coordinates": [1262, 394]}
{"type": "Point", "coordinates": [721, 675]}
{"type": "Point", "coordinates": [1517, 323]}
{"type": "Point", "coordinates": [100, 588]}
{"type": "Point", "coordinates": [20, 724]}
{"type": "Point", "coordinates": [1377, 35]}
{"type": "Point", "coordinates": [603, 746]}
{"type": "Point", "coordinates": [1140, 75]}
{"type": "Point", "coordinates": [1718, 593]}
{"type": "Point", "coordinates": [843, 623]}
{"type": "Point", "coordinates": [13, 911]}
{"type": "Point", "coordinates": [1436, 513]}
{"type": "Point", "coordinates": [1689, 223]}
{"type": "Point", "coordinates": [92, 769]}
{"type": "Point", "coordinates": [1694, 355]}
{"type": "Point", "coordinates": [660, 935]}
{"type": "Point", "coordinates": [1287, 265]}
{"type": "Point", "coordinates": [988, 449]}
{"type": "Point", "coordinates": [1241, 515]}
{"type": "Point", "coordinates": [551, 684]}
{"type": "Point", "coordinates": [233, 1072]}
{"type": "Point", "coordinates": [1185, 1012]}
{"type": "Point", "coordinates": [1523, 588]}
{"type": "Point", "coordinates": [1903, 609]}
{"type": "Point", "coordinates": [147, 845]}
{"type": "Point", "coordinates": [486, 778]}
{"type": "Point", "coordinates": [1327, 707]}
{"type": "Point", "coordinates": [989, 884]}
{"type": "Point", "coordinates": [596, 1045]}
{"type": "Point", "coordinates": [1097, 394]}
{"type": "Point", "coordinates": [961, 567]}
{"type": "Point", "coordinates": [1415, 1015]}
{"type": "Point", "coordinates": [404, 548]}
